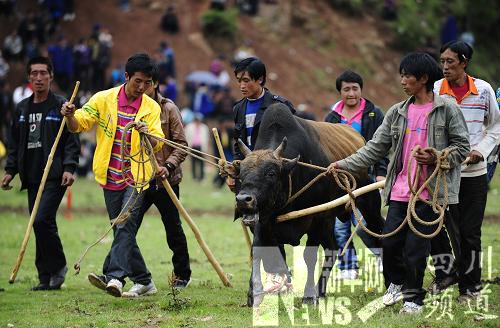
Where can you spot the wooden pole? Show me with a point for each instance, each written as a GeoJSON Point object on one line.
{"type": "Point", "coordinates": [194, 228]}
{"type": "Point", "coordinates": [40, 192]}
{"type": "Point", "coordinates": [332, 204]}
{"type": "Point", "coordinates": [221, 153]}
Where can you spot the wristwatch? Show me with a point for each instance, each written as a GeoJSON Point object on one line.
{"type": "Point", "coordinates": [170, 166]}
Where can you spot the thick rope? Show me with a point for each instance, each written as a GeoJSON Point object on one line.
{"type": "Point", "coordinates": [126, 158]}
{"type": "Point", "coordinates": [346, 182]}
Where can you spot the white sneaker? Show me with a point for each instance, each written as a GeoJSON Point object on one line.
{"type": "Point", "coordinates": [393, 294]}
{"type": "Point", "coordinates": [411, 308]}
{"type": "Point", "coordinates": [274, 282]}
{"type": "Point", "coordinates": [114, 287]}
{"type": "Point", "coordinates": [141, 290]}
{"type": "Point", "coordinates": [349, 274]}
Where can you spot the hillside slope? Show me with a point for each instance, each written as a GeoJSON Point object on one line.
{"type": "Point", "coordinates": [305, 44]}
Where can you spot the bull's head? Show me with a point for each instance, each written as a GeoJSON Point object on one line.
{"type": "Point", "coordinates": [264, 183]}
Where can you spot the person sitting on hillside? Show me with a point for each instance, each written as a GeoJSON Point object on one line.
{"type": "Point", "coordinates": [169, 21]}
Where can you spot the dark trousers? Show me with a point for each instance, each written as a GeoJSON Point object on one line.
{"type": "Point", "coordinates": [176, 239]}
{"type": "Point", "coordinates": [405, 254]}
{"type": "Point", "coordinates": [49, 257]}
{"type": "Point", "coordinates": [124, 257]}
{"type": "Point", "coordinates": [445, 247]}
{"type": "Point", "coordinates": [468, 218]}
{"type": "Point", "coordinates": [197, 167]}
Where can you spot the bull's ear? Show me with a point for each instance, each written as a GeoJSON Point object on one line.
{"type": "Point", "coordinates": [278, 153]}
{"type": "Point", "coordinates": [290, 164]}
{"type": "Point", "coordinates": [243, 148]}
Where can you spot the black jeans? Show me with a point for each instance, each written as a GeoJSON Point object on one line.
{"type": "Point", "coordinates": [468, 218]}
{"type": "Point", "coordinates": [124, 257]}
{"type": "Point", "coordinates": [176, 239]}
{"type": "Point", "coordinates": [49, 257]}
{"type": "Point", "coordinates": [405, 254]}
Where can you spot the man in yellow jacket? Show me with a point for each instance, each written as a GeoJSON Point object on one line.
{"type": "Point", "coordinates": [111, 110]}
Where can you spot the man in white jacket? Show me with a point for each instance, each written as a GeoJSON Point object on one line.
{"type": "Point", "coordinates": [477, 101]}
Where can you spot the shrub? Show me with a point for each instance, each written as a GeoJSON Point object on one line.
{"type": "Point", "coordinates": [219, 24]}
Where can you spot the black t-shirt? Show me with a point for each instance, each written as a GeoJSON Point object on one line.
{"type": "Point", "coordinates": [34, 162]}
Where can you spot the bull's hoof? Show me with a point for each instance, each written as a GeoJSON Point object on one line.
{"type": "Point", "coordinates": [310, 300]}
{"type": "Point", "coordinates": [255, 300]}
{"type": "Point", "coordinates": [310, 296]}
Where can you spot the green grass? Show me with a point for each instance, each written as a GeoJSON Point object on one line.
{"type": "Point", "coordinates": [207, 301]}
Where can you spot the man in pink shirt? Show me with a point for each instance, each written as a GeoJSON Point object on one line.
{"type": "Point", "coordinates": [424, 120]}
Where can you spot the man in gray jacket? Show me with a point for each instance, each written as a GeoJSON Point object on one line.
{"type": "Point", "coordinates": [423, 120]}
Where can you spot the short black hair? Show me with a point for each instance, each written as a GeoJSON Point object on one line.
{"type": "Point", "coordinates": [140, 62]}
{"type": "Point", "coordinates": [40, 60]}
{"type": "Point", "coordinates": [462, 49]}
{"type": "Point", "coordinates": [419, 64]}
{"type": "Point", "coordinates": [349, 76]}
{"type": "Point", "coordinates": [255, 68]}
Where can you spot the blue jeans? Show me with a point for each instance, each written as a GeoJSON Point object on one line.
{"type": "Point", "coordinates": [342, 232]}
{"type": "Point", "coordinates": [124, 258]}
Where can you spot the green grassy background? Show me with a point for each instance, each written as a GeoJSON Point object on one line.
{"type": "Point", "coordinates": [206, 302]}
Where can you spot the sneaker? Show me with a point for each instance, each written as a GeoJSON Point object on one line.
{"type": "Point", "coordinates": [349, 274]}
{"type": "Point", "coordinates": [57, 279]}
{"type": "Point", "coordinates": [411, 308]}
{"type": "Point", "coordinates": [98, 281]}
{"type": "Point", "coordinates": [40, 286]}
{"type": "Point", "coordinates": [274, 282]}
{"type": "Point", "coordinates": [181, 283]}
{"type": "Point", "coordinates": [114, 287]}
{"type": "Point", "coordinates": [392, 295]}
{"type": "Point", "coordinates": [468, 296]}
{"type": "Point", "coordinates": [141, 290]}
{"type": "Point", "coordinates": [439, 285]}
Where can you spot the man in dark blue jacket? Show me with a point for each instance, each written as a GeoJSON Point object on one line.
{"type": "Point", "coordinates": [34, 129]}
{"type": "Point", "coordinates": [251, 76]}
{"type": "Point", "coordinates": [362, 115]}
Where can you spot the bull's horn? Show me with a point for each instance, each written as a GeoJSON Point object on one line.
{"type": "Point", "coordinates": [278, 153]}
{"type": "Point", "coordinates": [243, 148]}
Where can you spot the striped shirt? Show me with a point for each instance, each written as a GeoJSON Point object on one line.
{"type": "Point", "coordinates": [481, 113]}
{"type": "Point", "coordinates": [126, 114]}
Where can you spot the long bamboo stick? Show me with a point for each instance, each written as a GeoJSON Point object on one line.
{"type": "Point", "coordinates": [221, 153]}
{"type": "Point", "coordinates": [50, 159]}
{"type": "Point", "coordinates": [197, 234]}
{"type": "Point", "coordinates": [332, 204]}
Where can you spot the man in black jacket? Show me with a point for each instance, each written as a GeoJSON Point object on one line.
{"type": "Point", "coordinates": [34, 129]}
{"type": "Point", "coordinates": [362, 115]}
{"type": "Point", "coordinates": [251, 76]}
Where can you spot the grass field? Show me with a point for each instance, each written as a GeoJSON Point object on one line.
{"type": "Point", "coordinates": [206, 302]}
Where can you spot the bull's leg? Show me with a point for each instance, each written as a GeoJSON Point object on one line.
{"type": "Point", "coordinates": [255, 288]}
{"type": "Point", "coordinates": [310, 257]}
{"type": "Point", "coordinates": [369, 205]}
{"type": "Point", "coordinates": [255, 293]}
{"type": "Point", "coordinates": [330, 248]}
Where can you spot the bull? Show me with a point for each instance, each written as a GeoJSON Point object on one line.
{"type": "Point", "coordinates": [269, 174]}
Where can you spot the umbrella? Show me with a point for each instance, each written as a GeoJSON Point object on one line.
{"type": "Point", "coordinates": [202, 77]}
